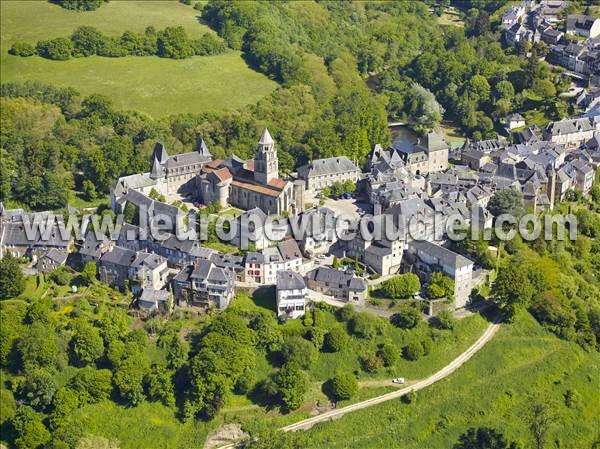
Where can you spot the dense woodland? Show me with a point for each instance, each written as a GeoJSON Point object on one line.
{"type": "Point", "coordinates": [344, 69]}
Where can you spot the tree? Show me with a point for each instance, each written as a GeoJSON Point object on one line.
{"type": "Point", "coordinates": [506, 201]}
{"type": "Point", "coordinates": [365, 325]}
{"type": "Point", "coordinates": [292, 384]}
{"type": "Point", "coordinates": [31, 432]}
{"type": "Point", "coordinates": [402, 286]}
{"type": "Point", "coordinates": [511, 289]}
{"type": "Point", "coordinates": [160, 386]}
{"type": "Point", "coordinates": [59, 49]}
{"type": "Point", "coordinates": [389, 353]}
{"type": "Point", "coordinates": [39, 347]}
{"type": "Point", "coordinates": [87, 41]}
{"type": "Point", "coordinates": [88, 274]}
{"type": "Point", "coordinates": [371, 362]}
{"type": "Point", "coordinates": [91, 385]}
{"type": "Point", "coordinates": [298, 350]}
{"type": "Point", "coordinates": [414, 350]}
{"type": "Point", "coordinates": [440, 286]}
{"type": "Point", "coordinates": [89, 190]}
{"type": "Point", "coordinates": [177, 352]}
{"type": "Point", "coordinates": [12, 282]}
{"type": "Point", "coordinates": [540, 418]}
{"type": "Point", "coordinates": [483, 438]}
{"type": "Point", "coordinates": [87, 344]}
{"type": "Point", "coordinates": [407, 318]}
{"type": "Point", "coordinates": [65, 402]}
{"type": "Point", "coordinates": [336, 339]}
{"type": "Point", "coordinates": [39, 388]}
{"type": "Point", "coordinates": [129, 376]}
{"type": "Point", "coordinates": [173, 43]}
{"type": "Point", "coordinates": [336, 262]}
{"type": "Point", "coordinates": [344, 385]}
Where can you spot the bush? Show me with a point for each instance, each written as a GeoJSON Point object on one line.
{"type": "Point", "coordinates": [444, 320]}
{"type": "Point", "coordinates": [407, 318]}
{"type": "Point", "coordinates": [402, 286]}
{"type": "Point", "coordinates": [365, 325]}
{"type": "Point", "coordinates": [22, 49]}
{"type": "Point", "coordinates": [389, 354]}
{"type": "Point", "coordinates": [298, 350]}
{"type": "Point", "coordinates": [209, 44]}
{"type": "Point", "coordinates": [346, 313]}
{"type": "Point", "coordinates": [336, 339]}
{"type": "Point", "coordinates": [344, 386]}
{"type": "Point", "coordinates": [413, 351]}
{"type": "Point", "coordinates": [59, 49]}
{"type": "Point", "coordinates": [60, 276]}
{"type": "Point", "coordinates": [371, 362]}
{"type": "Point", "coordinates": [87, 41]}
{"type": "Point", "coordinates": [173, 43]}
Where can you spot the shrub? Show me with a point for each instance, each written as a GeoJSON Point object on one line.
{"type": "Point", "coordinates": [336, 339]}
{"type": "Point", "coordinates": [407, 318]}
{"type": "Point", "coordinates": [445, 320]}
{"type": "Point", "coordinates": [389, 353]}
{"type": "Point", "coordinates": [298, 350]}
{"type": "Point", "coordinates": [414, 351]}
{"type": "Point", "coordinates": [371, 362]}
{"type": "Point", "coordinates": [365, 325]}
{"type": "Point", "coordinates": [87, 41]}
{"type": "Point", "coordinates": [346, 313]}
{"type": "Point", "coordinates": [22, 49]}
{"type": "Point", "coordinates": [344, 386]}
{"type": "Point", "coordinates": [59, 49]}
{"type": "Point", "coordinates": [402, 286]}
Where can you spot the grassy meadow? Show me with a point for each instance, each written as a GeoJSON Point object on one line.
{"type": "Point", "coordinates": [523, 363]}
{"type": "Point", "coordinates": [148, 84]}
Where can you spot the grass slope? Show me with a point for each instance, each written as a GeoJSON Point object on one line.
{"type": "Point", "coordinates": [150, 84]}
{"type": "Point", "coordinates": [492, 389]}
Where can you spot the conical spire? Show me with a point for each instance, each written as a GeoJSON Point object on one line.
{"type": "Point", "coordinates": [201, 147]}
{"type": "Point", "coordinates": [266, 138]}
{"type": "Point", "coordinates": [160, 152]}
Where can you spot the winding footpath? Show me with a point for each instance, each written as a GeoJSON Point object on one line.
{"type": "Point", "coordinates": [439, 375]}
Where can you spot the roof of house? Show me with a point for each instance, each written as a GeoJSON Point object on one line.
{"type": "Point", "coordinates": [290, 280]}
{"type": "Point", "coordinates": [58, 256]}
{"type": "Point", "coordinates": [580, 21]}
{"type": "Point", "coordinates": [289, 249]}
{"type": "Point", "coordinates": [433, 142]}
{"type": "Point", "coordinates": [119, 256]}
{"type": "Point", "coordinates": [329, 166]}
{"type": "Point", "coordinates": [446, 256]}
{"type": "Point", "coordinates": [339, 277]}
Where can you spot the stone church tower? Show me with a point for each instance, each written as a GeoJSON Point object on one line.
{"type": "Point", "coordinates": [266, 165]}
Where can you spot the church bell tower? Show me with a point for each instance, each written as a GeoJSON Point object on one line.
{"type": "Point", "coordinates": [266, 165]}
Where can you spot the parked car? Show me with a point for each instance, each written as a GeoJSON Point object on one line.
{"type": "Point", "coordinates": [398, 380]}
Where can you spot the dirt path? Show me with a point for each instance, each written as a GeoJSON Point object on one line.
{"type": "Point", "coordinates": [419, 385]}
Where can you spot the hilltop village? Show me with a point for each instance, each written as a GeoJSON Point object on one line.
{"type": "Point", "coordinates": [421, 179]}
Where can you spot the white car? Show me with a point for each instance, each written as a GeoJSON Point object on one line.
{"type": "Point", "coordinates": [398, 380]}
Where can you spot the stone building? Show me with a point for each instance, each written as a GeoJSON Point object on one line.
{"type": "Point", "coordinates": [322, 173]}
{"type": "Point", "coordinates": [252, 183]}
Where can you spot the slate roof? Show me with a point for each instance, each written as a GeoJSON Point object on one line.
{"type": "Point", "coordinates": [119, 256]}
{"type": "Point", "coordinates": [433, 142]}
{"type": "Point", "coordinates": [449, 258]}
{"type": "Point", "coordinates": [289, 249]}
{"type": "Point", "coordinates": [57, 256]}
{"type": "Point", "coordinates": [338, 277]}
{"type": "Point", "coordinates": [290, 280]}
{"type": "Point", "coordinates": [329, 166]}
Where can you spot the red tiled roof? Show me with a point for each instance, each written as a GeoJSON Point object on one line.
{"type": "Point", "coordinates": [276, 182]}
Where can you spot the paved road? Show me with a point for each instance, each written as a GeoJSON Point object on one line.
{"type": "Point", "coordinates": [444, 372]}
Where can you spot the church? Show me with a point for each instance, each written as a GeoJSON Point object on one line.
{"type": "Point", "coordinates": [247, 184]}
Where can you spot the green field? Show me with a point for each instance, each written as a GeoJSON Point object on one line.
{"type": "Point", "coordinates": [523, 363]}
{"type": "Point", "coordinates": [150, 84]}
